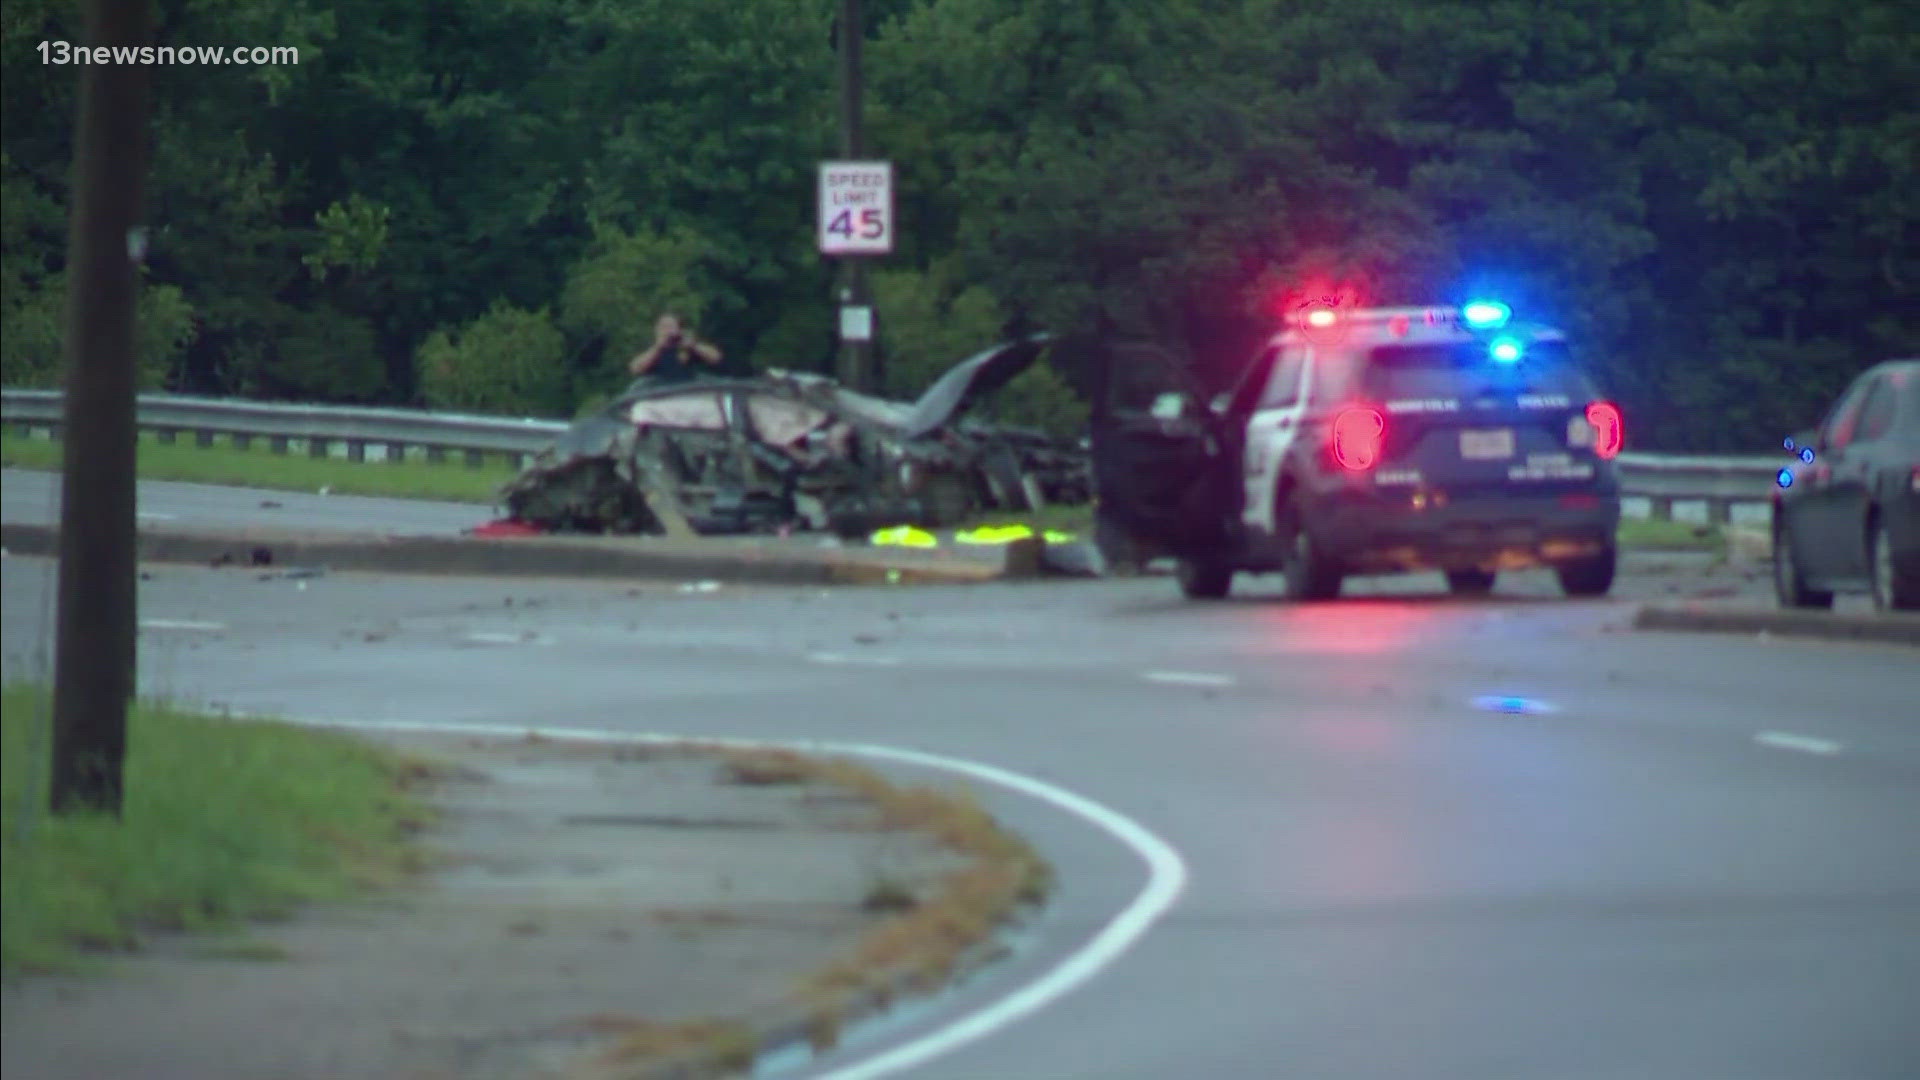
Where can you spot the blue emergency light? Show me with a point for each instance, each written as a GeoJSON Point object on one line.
{"type": "Point", "coordinates": [1505, 350]}
{"type": "Point", "coordinates": [1784, 478]}
{"type": "Point", "coordinates": [1486, 314]}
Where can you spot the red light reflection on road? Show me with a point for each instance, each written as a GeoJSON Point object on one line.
{"type": "Point", "coordinates": [1349, 628]}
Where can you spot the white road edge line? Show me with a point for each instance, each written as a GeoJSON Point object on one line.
{"type": "Point", "coordinates": [181, 624]}
{"type": "Point", "coordinates": [1166, 875]}
{"type": "Point", "coordinates": [1189, 678]}
{"type": "Point", "coordinates": [1806, 744]}
{"type": "Point", "coordinates": [148, 515]}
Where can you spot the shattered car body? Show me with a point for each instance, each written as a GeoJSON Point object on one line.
{"type": "Point", "coordinates": [787, 449]}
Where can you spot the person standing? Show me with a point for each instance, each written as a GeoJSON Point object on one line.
{"type": "Point", "coordinates": [675, 355]}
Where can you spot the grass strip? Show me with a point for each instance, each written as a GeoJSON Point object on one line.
{"type": "Point", "coordinates": [1650, 534]}
{"type": "Point", "coordinates": [923, 941]}
{"type": "Point", "coordinates": [223, 820]}
{"type": "Point", "coordinates": [259, 467]}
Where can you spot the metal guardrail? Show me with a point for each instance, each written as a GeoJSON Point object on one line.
{"type": "Point", "coordinates": [361, 433]}
{"type": "Point", "coordinates": [364, 434]}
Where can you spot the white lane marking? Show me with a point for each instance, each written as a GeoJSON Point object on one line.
{"type": "Point", "coordinates": [147, 515]}
{"type": "Point", "coordinates": [509, 639]}
{"type": "Point", "coordinates": [1189, 678]}
{"type": "Point", "coordinates": [1166, 875]}
{"type": "Point", "coordinates": [181, 624]}
{"type": "Point", "coordinates": [843, 658]}
{"type": "Point", "coordinates": [1806, 744]}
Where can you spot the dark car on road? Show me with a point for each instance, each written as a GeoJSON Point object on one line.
{"type": "Point", "coordinates": [1378, 440]}
{"type": "Point", "coordinates": [1846, 510]}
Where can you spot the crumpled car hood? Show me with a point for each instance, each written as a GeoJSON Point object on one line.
{"type": "Point", "coordinates": [969, 381]}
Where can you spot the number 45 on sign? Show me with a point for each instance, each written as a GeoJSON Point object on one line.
{"type": "Point", "coordinates": [856, 207]}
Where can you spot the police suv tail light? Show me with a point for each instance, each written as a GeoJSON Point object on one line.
{"type": "Point", "coordinates": [1608, 428]}
{"type": "Point", "coordinates": [1357, 438]}
{"type": "Point", "coordinates": [1913, 482]}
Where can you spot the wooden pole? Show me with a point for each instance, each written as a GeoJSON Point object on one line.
{"type": "Point", "coordinates": [94, 666]}
{"type": "Point", "coordinates": [855, 356]}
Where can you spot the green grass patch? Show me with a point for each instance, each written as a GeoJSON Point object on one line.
{"type": "Point", "coordinates": [1649, 534]}
{"type": "Point", "coordinates": [223, 820]}
{"type": "Point", "coordinates": [258, 466]}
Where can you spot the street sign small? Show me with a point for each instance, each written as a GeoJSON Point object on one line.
{"type": "Point", "coordinates": [856, 207]}
{"type": "Point", "coordinates": [856, 323]}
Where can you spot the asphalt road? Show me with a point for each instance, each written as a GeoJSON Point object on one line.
{"type": "Point", "coordinates": [1696, 858]}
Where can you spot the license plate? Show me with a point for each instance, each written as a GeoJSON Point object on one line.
{"type": "Point", "coordinates": [1486, 445]}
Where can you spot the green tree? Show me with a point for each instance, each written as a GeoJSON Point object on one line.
{"type": "Point", "coordinates": [33, 333]}
{"type": "Point", "coordinates": [926, 325]}
{"type": "Point", "coordinates": [509, 360]}
{"type": "Point", "coordinates": [623, 283]}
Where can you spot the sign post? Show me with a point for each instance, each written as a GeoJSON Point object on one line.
{"type": "Point", "coordinates": [856, 220]}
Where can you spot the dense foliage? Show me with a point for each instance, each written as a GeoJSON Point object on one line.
{"type": "Point", "coordinates": [483, 203]}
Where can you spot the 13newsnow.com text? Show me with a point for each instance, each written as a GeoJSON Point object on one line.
{"type": "Point", "coordinates": [65, 52]}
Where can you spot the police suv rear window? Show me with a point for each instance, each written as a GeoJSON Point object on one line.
{"type": "Point", "coordinates": [1423, 371]}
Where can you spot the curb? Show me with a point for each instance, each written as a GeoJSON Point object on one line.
{"type": "Point", "coordinates": [563, 556]}
{"type": "Point", "coordinates": [1821, 625]}
{"type": "Point", "coordinates": [780, 1028]}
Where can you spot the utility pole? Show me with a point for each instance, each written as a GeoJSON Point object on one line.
{"type": "Point", "coordinates": [94, 664]}
{"type": "Point", "coordinates": [855, 355]}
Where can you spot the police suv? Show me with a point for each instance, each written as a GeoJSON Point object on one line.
{"type": "Point", "coordinates": [1377, 440]}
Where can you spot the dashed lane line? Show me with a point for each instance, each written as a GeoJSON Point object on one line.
{"type": "Point", "coordinates": [1805, 744]}
{"type": "Point", "coordinates": [853, 661]}
{"type": "Point", "coordinates": [1189, 678]}
{"type": "Point", "coordinates": [182, 624]}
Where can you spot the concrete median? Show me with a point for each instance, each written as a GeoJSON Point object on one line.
{"type": "Point", "coordinates": [1892, 629]}
{"type": "Point", "coordinates": [773, 561]}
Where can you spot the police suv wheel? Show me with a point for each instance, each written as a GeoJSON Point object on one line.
{"type": "Point", "coordinates": [1311, 574]}
{"type": "Point", "coordinates": [1788, 586]}
{"type": "Point", "coordinates": [1203, 579]}
{"type": "Point", "coordinates": [1590, 576]}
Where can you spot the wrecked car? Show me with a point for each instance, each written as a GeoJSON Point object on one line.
{"type": "Point", "coordinates": [787, 450]}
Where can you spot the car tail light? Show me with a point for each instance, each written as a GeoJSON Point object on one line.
{"type": "Point", "coordinates": [1913, 483]}
{"type": "Point", "coordinates": [1357, 437]}
{"type": "Point", "coordinates": [1609, 429]}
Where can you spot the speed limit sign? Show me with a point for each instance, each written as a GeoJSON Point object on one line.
{"type": "Point", "coordinates": [856, 207]}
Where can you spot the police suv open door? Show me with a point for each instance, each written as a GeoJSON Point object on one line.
{"type": "Point", "coordinates": [1160, 463]}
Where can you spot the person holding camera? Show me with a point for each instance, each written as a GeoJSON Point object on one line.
{"type": "Point", "coordinates": [672, 356]}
